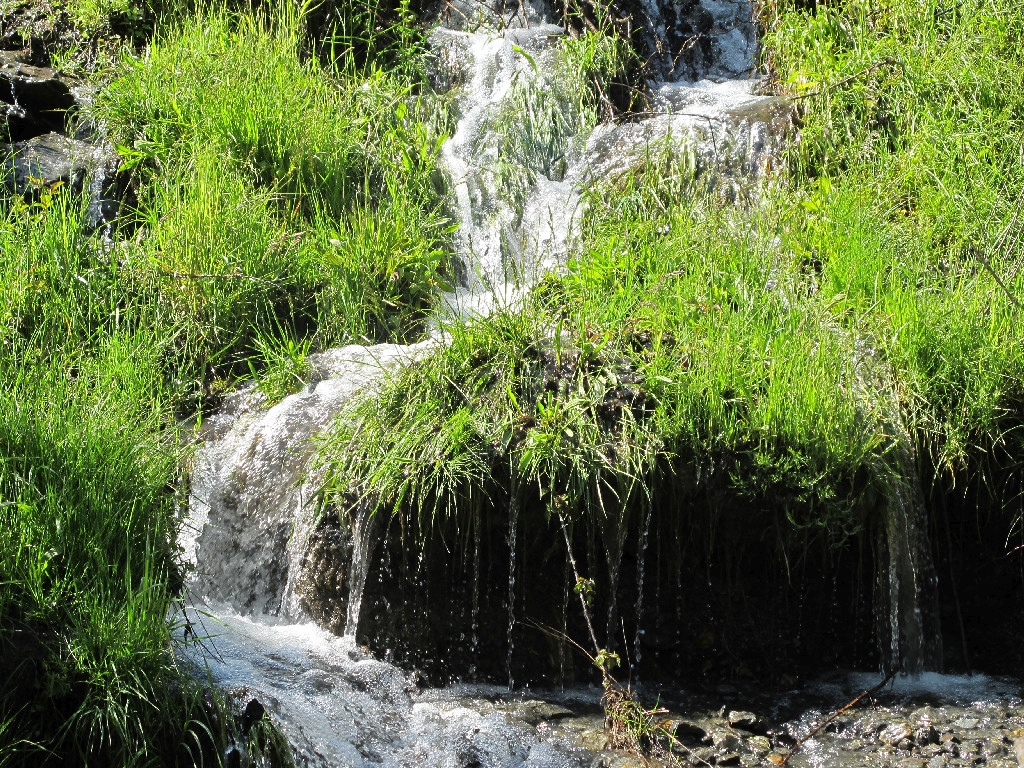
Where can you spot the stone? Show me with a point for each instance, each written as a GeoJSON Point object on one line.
{"type": "Point", "coordinates": [724, 740]}
{"type": "Point", "coordinates": [895, 733]}
{"type": "Point", "coordinates": [37, 98]}
{"type": "Point", "coordinates": [536, 711]}
{"type": "Point", "coordinates": [747, 721]}
{"type": "Point", "coordinates": [966, 723]}
{"type": "Point", "coordinates": [625, 761]}
{"type": "Point", "coordinates": [43, 162]}
{"type": "Point", "coordinates": [926, 735]}
{"type": "Point", "coordinates": [34, 88]}
{"type": "Point", "coordinates": [925, 716]}
{"type": "Point", "coordinates": [868, 725]}
{"type": "Point", "coordinates": [938, 761]}
{"type": "Point", "coordinates": [759, 745]}
{"type": "Point", "coordinates": [686, 728]}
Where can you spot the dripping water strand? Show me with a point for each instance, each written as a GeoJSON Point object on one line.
{"type": "Point", "coordinates": [474, 638]}
{"type": "Point", "coordinates": [512, 536]}
{"type": "Point", "coordinates": [640, 590]}
{"type": "Point", "coordinates": [363, 529]}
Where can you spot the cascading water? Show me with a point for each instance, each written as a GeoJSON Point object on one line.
{"type": "Point", "coordinates": [909, 583]}
{"type": "Point", "coordinates": [515, 186]}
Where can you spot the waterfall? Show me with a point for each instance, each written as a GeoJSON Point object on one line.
{"type": "Point", "coordinates": [253, 535]}
{"type": "Point", "coordinates": [365, 526]}
{"type": "Point", "coordinates": [909, 630]}
{"type": "Point", "coordinates": [251, 498]}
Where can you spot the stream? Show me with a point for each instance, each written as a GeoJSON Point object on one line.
{"type": "Point", "coordinates": [252, 512]}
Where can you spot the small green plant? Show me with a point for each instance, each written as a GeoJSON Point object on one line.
{"type": "Point", "coordinates": [284, 366]}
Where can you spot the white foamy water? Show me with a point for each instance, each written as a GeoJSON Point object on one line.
{"type": "Point", "coordinates": [341, 708]}
{"type": "Point", "coordinates": [251, 497]}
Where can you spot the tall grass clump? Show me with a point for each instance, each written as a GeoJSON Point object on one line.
{"type": "Point", "coordinates": [909, 193]}
{"type": "Point", "coordinates": [276, 192]}
{"type": "Point", "coordinates": [88, 570]}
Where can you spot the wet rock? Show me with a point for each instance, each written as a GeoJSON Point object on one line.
{"type": "Point", "coordinates": [869, 725]}
{"type": "Point", "coordinates": [938, 761]}
{"type": "Point", "coordinates": [254, 712]}
{"type": "Point", "coordinates": [43, 162]}
{"type": "Point", "coordinates": [747, 721]}
{"type": "Point", "coordinates": [703, 755]}
{"type": "Point", "coordinates": [966, 723]}
{"type": "Point", "coordinates": [543, 755]}
{"type": "Point", "coordinates": [37, 97]}
{"type": "Point", "coordinates": [926, 735]}
{"type": "Point", "coordinates": [993, 747]}
{"type": "Point", "coordinates": [625, 761]}
{"type": "Point", "coordinates": [686, 729]}
{"type": "Point", "coordinates": [724, 740]}
{"type": "Point", "coordinates": [925, 716]}
{"type": "Point", "coordinates": [535, 711]}
{"type": "Point", "coordinates": [895, 733]}
{"type": "Point", "coordinates": [759, 745]}
{"type": "Point", "coordinates": [36, 88]}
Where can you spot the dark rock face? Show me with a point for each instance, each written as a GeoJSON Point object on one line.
{"type": "Point", "coordinates": [36, 105]}
{"type": "Point", "coordinates": [46, 161]}
{"type": "Point", "coordinates": [36, 99]}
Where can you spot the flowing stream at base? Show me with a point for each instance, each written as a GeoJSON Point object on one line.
{"type": "Point", "coordinates": [252, 511]}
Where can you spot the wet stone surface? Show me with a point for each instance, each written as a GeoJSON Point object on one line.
{"type": "Point", "coordinates": [929, 722]}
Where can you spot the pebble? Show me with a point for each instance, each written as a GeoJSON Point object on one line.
{"type": "Point", "coordinates": [759, 745]}
{"type": "Point", "coordinates": [746, 721]}
{"type": "Point", "coordinates": [895, 733]}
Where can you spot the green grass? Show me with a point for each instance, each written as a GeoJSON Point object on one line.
{"type": "Point", "coordinates": [794, 348]}
{"type": "Point", "coordinates": [283, 206]}
{"type": "Point", "coordinates": [87, 572]}
{"type": "Point", "coordinates": [277, 193]}
{"type": "Point", "coordinates": [289, 199]}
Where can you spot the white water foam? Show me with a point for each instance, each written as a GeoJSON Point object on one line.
{"type": "Point", "coordinates": [341, 708]}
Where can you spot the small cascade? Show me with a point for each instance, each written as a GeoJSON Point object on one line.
{"type": "Point", "coordinates": [909, 631]}
{"type": "Point", "coordinates": [365, 526]}
{"type": "Point", "coordinates": [517, 212]}
{"type": "Point", "coordinates": [251, 505]}
{"type": "Point", "coordinates": [513, 537]}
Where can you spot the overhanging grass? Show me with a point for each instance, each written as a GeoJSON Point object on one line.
{"type": "Point", "coordinates": [794, 345]}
